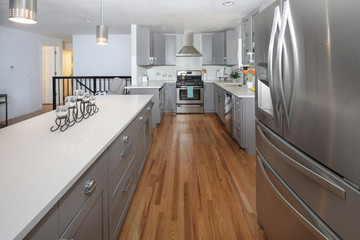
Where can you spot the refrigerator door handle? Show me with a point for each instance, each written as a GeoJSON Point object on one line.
{"type": "Point", "coordinates": [338, 191]}
{"type": "Point", "coordinates": [274, 29]}
{"type": "Point", "coordinates": [311, 221]}
{"type": "Point", "coordinates": [287, 21]}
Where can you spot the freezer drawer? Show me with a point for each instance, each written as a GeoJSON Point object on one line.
{"type": "Point", "coordinates": [326, 193]}
{"type": "Point", "coordinates": [282, 214]}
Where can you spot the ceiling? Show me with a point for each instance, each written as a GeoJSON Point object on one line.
{"type": "Point", "coordinates": [64, 18]}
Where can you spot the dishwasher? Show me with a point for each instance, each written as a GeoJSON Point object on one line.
{"type": "Point", "coordinates": [228, 103]}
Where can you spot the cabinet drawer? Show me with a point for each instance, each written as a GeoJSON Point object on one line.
{"type": "Point", "coordinates": [118, 212]}
{"type": "Point", "coordinates": [75, 198]}
{"type": "Point", "coordinates": [91, 222]}
{"type": "Point", "coordinates": [117, 172]}
{"type": "Point", "coordinates": [121, 143]}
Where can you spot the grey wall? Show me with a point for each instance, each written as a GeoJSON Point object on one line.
{"type": "Point", "coordinates": [91, 59]}
{"type": "Point", "coordinates": [22, 83]}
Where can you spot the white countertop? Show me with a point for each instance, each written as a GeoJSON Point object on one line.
{"type": "Point", "coordinates": [38, 166]}
{"type": "Point", "coordinates": [150, 84]}
{"type": "Point", "coordinates": [241, 92]}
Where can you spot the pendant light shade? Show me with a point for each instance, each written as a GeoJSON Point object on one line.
{"type": "Point", "coordinates": [23, 11]}
{"type": "Point", "coordinates": [101, 34]}
{"type": "Point", "coordinates": [101, 30]}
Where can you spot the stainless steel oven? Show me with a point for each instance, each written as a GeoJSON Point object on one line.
{"type": "Point", "coordinates": [189, 92]}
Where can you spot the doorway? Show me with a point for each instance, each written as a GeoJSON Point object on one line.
{"type": "Point", "coordinates": [50, 67]}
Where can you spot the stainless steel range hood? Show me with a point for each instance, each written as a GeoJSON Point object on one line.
{"type": "Point", "coordinates": [188, 49]}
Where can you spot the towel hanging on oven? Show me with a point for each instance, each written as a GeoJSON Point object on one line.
{"type": "Point", "coordinates": [190, 91]}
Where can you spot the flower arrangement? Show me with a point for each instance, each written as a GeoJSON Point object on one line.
{"type": "Point", "coordinates": [249, 74]}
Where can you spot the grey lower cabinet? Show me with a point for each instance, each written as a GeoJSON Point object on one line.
{"type": "Point", "coordinates": [244, 123]}
{"type": "Point", "coordinates": [220, 103]}
{"type": "Point", "coordinates": [170, 97]}
{"type": "Point", "coordinates": [96, 205]}
{"type": "Point", "coordinates": [209, 97]}
{"type": "Point", "coordinates": [158, 100]}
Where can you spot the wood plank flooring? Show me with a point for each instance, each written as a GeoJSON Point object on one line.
{"type": "Point", "coordinates": [197, 184]}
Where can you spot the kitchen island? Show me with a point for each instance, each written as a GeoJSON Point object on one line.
{"type": "Point", "coordinates": [38, 167]}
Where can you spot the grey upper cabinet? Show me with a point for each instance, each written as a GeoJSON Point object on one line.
{"type": "Point", "coordinates": [143, 46]}
{"type": "Point", "coordinates": [207, 49]}
{"type": "Point", "coordinates": [170, 50]}
{"type": "Point", "coordinates": [232, 46]}
{"type": "Point", "coordinates": [209, 98]}
{"type": "Point", "coordinates": [248, 38]}
{"type": "Point", "coordinates": [158, 49]}
{"type": "Point", "coordinates": [218, 48]}
{"type": "Point", "coordinates": [154, 48]}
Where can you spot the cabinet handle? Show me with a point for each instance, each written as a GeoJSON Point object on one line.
{"type": "Point", "coordinates": [126, 152]}
{"type": "Point", "coordinates": [125, 138]}
{"type": "Point", "coordinates": [127, 186]}
{"type": "Point", "coordinates": [90, 186]}
{"type": "Point", "coordinates": [141, 118]}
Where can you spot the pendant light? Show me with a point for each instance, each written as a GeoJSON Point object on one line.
{"type": "Point", "coordinates": [23, 11]}
{"type": "Point", "coordinates": [101, 30]}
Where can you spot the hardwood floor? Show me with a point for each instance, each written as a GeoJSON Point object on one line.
{"type": "Point", "coordinates": [197, 184]}
{"type": "Point", "coordinates": [45, 108]}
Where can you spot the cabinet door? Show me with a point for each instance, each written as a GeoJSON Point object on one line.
{"type": "Point", "coordinates": [246, 39]}
{"type": "Point", "coordinates": [170, 50]}
{"type": "Point", "coordinates": [47, 228]}
{"type": "Point", "coordinates": [252, 45]}
{"type": "Point", "coordinates": [140, 143]}
{"type": "Point", "coordinates": [143, 46]}
{"type": "Point", "coordinates": [207, 42]}
{"type": "Point", "coordinates": [218, 48]}
{"type": "Point", "coordinates": [209, 99]}
{"type": "Point", "coordinates": [232, 43]}
{"type": "Point", "coordinates": [158, 48]}
{"type": "Point", "coordinates": [170, 97]}
{"type": "Point", "coordinates": [91, 222]}
{"type": "Point", "coordinates": [148, 129]}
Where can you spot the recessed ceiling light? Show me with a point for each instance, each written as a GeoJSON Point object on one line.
{"type": "Point", "coordinates": [228, 3]}
{"type": "Point", "coordinates": [163, 28]}
{"type": "Point", "coordinates": [88, 21]}
{"type": "Point", "coordinates": [210, 27]}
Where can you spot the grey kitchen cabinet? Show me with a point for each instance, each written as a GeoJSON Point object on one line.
{"type": "Point", "coordinates": [244, 123]}
{"type": "Point", "coordinates": [207, 54]}
{"type": "Point", "coordinates": [143, 139]}
{"type": "Point", "coordinates": [218, 48]}
{"type": "Point", "coordinates": [47, 228]}
{"type": "Point", "coordinates": [248, 38]}
{"type": "Point", "coordinates": [232, 46]}
{"type": "Point", "coordinates": [143, 46]}
{"type": "Point", "coordinates": [220, 103]}
{"type": "Point", "coordinates": [148, 128]}
{"type": "Point", "coordinates": [158, 49]}
{"type": "Point", "coordinates": [91, 221]}
{"type": "Point", "coordinates": [158, 99]}
{"type": "Point", "coordinates": [209, 97]}
{"type": "Point", "coordinates": [170, 97]}
{"type": "Point", "coordinates": [170, 50]}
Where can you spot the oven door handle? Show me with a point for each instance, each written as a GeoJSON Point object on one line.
{"type": "Point", "coordinates": [185, 87]}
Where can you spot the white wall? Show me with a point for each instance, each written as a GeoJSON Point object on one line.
{"type": "Point", "coordinates": [20, 69]}
{"type": "Point", "coordinates": [91, 59]}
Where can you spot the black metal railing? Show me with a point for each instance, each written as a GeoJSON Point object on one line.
{"type": "Point", "coordinates": [64, 86]}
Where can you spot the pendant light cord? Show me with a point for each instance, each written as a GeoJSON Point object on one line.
{"type": "Point", "coordinates": [101, 14]}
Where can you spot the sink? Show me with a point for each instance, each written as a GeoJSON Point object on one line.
{"type": "Point", "coordinates": [231, 84]}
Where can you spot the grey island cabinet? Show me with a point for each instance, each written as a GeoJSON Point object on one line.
{"type": "Point", "coordinates": [76, 184]}
{"type": "Point", "coordinates": [158, 90]}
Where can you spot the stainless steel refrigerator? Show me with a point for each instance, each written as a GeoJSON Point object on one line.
{"type": "Point", "coordinates": [308, 119]}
